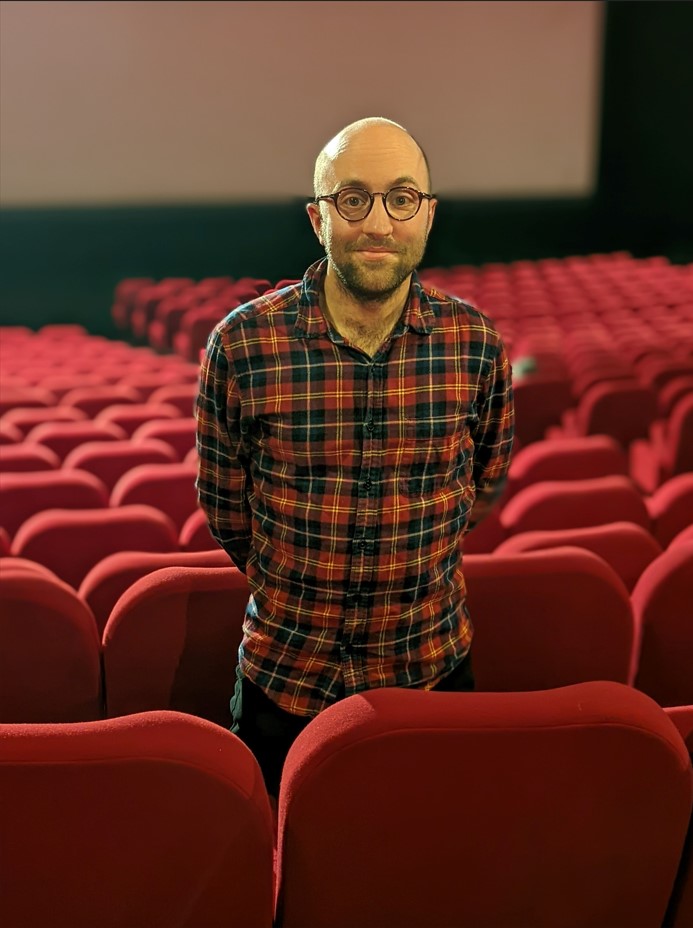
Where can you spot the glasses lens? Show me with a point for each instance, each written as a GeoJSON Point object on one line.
{"type": "Point", "coordinates": [402, 202]}
{"type": "Point", "coordinates": [353, 203]}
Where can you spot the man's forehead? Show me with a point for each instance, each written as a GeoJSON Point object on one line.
{"type": "Point", "coordinates": [395, 157]}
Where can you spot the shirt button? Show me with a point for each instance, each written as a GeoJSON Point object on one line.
{"type": "Point", "coordinates": [368, 484]}
{"type": "Point", "coordinates": [370, 425]}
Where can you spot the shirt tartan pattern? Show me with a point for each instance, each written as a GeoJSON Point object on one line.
{"type": "Point", "coordinates": [343, 484]}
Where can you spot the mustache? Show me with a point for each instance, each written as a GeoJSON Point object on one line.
{"type": "Point", "coordinates": [378, 243]}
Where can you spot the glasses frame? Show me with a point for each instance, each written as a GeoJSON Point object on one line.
{"type": "Point", "coordinates": [333, 197]}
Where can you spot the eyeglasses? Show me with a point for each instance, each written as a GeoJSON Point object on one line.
{"type": "Point", "coordinates": [354, 204]}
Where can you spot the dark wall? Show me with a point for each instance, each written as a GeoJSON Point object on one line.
{"type": "Point", "coordinates": [645, 192]}
{"type": "Point", "coordinates": [59, 265]}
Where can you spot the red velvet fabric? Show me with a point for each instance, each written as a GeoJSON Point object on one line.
{"type": "Point", "coordinates": [158, 820]}
{"type": "Point", "coordinates": [129, 416]}
{"type": "Point", "coordinates": [71, 542]}
{"type": "Point", "coordinates": [668, 451]}
{"type": "Point", "coordinates": [620, 408]}
{"type": "Point", "coordinates": [109, 460]}
{"type": "Point", "coordinates": [403, 808]}
{"type": "Point", "coordinates": [172, 641]}
{"type": "Point", "coordinates": [195, 534]}
{"type": "Point", "coordinates": [178, 433]}
{"type": "Point", "coordinates": [25, 494]}
{"type": "Point", "coordinates": [554, 504]}
{"type": "Point", "coordinates": [110, 578]}
{"type": "Point", "coordinates": [50, 667]}
{"type": "Point", "coordinates": [663, 607]}
{"type": "Point", "coordinates": [548, 618]}
{"type": "Point", "coordinates": [62, 437]}
{"type": "Point", "coordinates": [570, 459]}
{"type": "Point", "coordinates": [26, 418]}
{"type": "Point", "coordinates": [671, 508]}
{"type": "Point", "coordinates": [168, 487]}
{"type": "Point", "coordinates": [27, 456]}
{"type": "Point", "coordinates": [627, 548]}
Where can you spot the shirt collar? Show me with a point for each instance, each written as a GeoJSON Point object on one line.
{"type": "Point", "coordinates": [419, 314]}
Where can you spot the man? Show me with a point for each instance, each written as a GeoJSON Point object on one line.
{"type": "Point", "coordinates": [351, 429]}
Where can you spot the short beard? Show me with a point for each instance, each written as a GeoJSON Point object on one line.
{"type": "Point", "coordinates": [349, 278]}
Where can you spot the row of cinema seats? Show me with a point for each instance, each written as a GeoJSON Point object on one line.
{"type": "Point", "coordinates": [574, 768]}
{"type": "Point", "coordinates": [151, 630]}
{"type": "Point", "coordinates": [397, 809]}
{"type": "Point", "coordinates": [165, 629]}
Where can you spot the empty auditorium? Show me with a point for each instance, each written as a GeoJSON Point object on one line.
{"type": "Point", "coordinates": [346, 464]}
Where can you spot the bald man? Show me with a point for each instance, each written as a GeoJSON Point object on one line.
{"type": "Point", "coordinates": [351, 429]}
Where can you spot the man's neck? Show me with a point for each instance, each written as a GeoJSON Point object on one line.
{"type": "Point", "coordinates": [362, 320]}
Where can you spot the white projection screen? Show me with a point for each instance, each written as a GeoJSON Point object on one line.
{"type": "Point", "coordinates": [221, 102]}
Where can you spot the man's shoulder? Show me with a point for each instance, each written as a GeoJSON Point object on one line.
{"type": "Point", "coordinates": [459, 311]}
{"type": "Point", "coordinates": [275, 307]}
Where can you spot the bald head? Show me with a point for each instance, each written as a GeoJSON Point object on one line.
{"type": "Point", "coordinates": [361, 141]}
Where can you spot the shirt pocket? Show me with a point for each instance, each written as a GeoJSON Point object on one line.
{"type": "Point", "coordinates": [435, 451]}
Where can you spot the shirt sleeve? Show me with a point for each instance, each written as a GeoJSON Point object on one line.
{"type": "Point", "coordinates": [222, 477]}
{"type": "Point", "coordinates": [493, 436]}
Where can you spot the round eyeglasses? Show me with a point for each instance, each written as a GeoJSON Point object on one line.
{"type": "Point", "coordinates": [354, 204]}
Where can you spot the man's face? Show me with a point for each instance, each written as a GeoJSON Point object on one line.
{"type": "Point", "coordinates": [374, 256]}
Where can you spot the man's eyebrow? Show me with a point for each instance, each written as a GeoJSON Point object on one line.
{"type": "Point", "coordinates": [357, 182]}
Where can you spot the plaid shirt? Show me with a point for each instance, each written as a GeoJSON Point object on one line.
{"type": "Point", "coordinates": [343, 484]}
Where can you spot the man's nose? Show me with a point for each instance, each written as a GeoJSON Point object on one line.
{"type": "Point", "coordinates": [378, 222]}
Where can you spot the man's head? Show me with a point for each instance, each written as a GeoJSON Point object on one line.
{"type": "Point", "coordinates": [373, 255]}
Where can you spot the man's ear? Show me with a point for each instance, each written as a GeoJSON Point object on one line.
{"type": "Point", "coordinates": [431, 213]}
{"type": "Point", "coordinates": [313, 211]}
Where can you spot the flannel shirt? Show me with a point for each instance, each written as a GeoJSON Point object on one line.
{"type": "Point", "coordinates": [343, 485]}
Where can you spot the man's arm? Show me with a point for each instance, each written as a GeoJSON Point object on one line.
{"type": "Point", "coordinates": [222, 478]}
{"type": "Point", "coordinates": [493, 437]}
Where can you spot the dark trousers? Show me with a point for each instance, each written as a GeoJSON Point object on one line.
{"type": "Point", "coordinates": [270, 731]}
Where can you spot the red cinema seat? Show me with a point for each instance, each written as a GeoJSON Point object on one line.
{"type": "Point", "coordinates": [130, 416]}
{"type": "Point", "coordinates": [183, 396]}
{"type": "Point", "coordinates": [148, 821]}
{"type": "Point", "coordinates": [195, 534]}
{"type": "Point", "coordinates": [663, 607]}
{"type": "Point", "coordinates": [9, 433]}
{"type": "Point", "coordinates": [169, 487]}
{"type": "Point", "coordinates": [50, 667]}
{"type": "Point", "coordinates": [5, 541]}
{"type": "Point", "coordinates": [619, 408]}
{"type": "Point", "coordinates": [686, 534]}
{"type": "Point", "coordinates": [110, 578]}
{"type": "Point", "coordinates": [92, 400]}
{"type": "Point", "coordinates": [673, 391]}
{"type": "Point", "coordinates": [559, 504]}
{"type": "Point", "coordinates": [539, 403]}
{"type": "Point", "coordinates": [671, 508]}
{"type": "Point", "coordinates": [548, 618]}
{"type": "Point", "coordinates": [27, 456]}
{"type": "Point", "coordinates": [570, 459]}
{"type": "Point", "coordinates": [172, 641]}
{"type": "Point", "coordinates": [669, 450]}
{"type": "Point", "coordinates": [178, 433]}
{"type": "Point", "coordinates": [109, 460]}
{"type": "Point", "coordinates": [146, 383]}
{"type": "Point", "coordinates": [21, 565]}
{"type": "Point", "coordinates": [62, 437]}
{"type": "Point", "coordinates": [26, 419]}
{"type": "Point", "coordinates": [71, 542]}
{"type": "Point", "coordinates": [627, 548]}
{"type": "Point", "coordinates": [680, 912]}
{"type": "Point", "coordinates": [557, 829]}
{"type": "Point", "coordinates": [24, 495]}
{"type": "Point", "coordinates": [13, 396]}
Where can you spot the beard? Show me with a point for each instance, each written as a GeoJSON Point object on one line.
{"type": "Point", "coordinates": [374, 281]}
